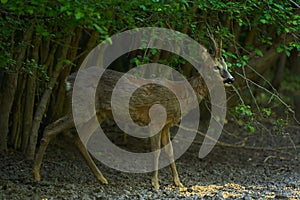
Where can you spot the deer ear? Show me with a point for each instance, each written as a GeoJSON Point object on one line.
{"type": "Point", "coordinates": [212, 50]}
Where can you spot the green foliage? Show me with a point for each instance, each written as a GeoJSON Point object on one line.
{"type": "Point", "coordinates": [291, 82]}
{"type": "Point", "coordinates": [243, 111]}
{"type": "Point", "coordinates": [245, 117]}
{"type": "Point", "coordinates": [139, 60]}
{"type": "Point", "coordinates": [231, 21]}
{"type": "Point", "coordinates": [248, 118]}
{"type": "Point", "coordinates": [52, 19]}
{"type": "Point", "coordinates": [259, 52]}
{"type": "Point", "coordinates": [266, 111]}
{"type": "Point", "coordinates": [280, 125]}
{"type": "Point", "coordinates": [32, 68]}
{"type": "Point", "coordinates": [242, 61]}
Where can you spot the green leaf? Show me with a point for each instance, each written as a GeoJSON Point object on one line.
{"type": "Point", "coordinates": [245, 58]}
{"type": "Point", "coordinates": [250, 128]}
{"type": "Point", "coordinates": [259, 52]}
{"type": "Point", "coordinates": [63, 8]}
{"type": "Point", "coordinates": [287, 30]}
{"type": "Point", "coordinates": [99, 29]}
{"type": "Point", "coordinates": [4, 1]}
{"type": "Point", "coordinates": [288, 54]}
{"type": "Point", "coordinates": [279, 49]}
{"type": "Point", "coordinates": [153, 51]}
{"type": "Point", "coordinates": [263, 21]}
{"type": "Point", "coordinates": [143, 7]}
{"type": "Point", "coordinates": [79, 15]}
{"type": "Point", "coordinates": [68, 62]}
{"type": "Point", "coordinates": [267, 111]}
{"type": "Point", "coordinates": [108, 39]}
{"type": "Point", "coordinates": [30, 11]}
{"type": "Point", "coordinates": [295, 22]}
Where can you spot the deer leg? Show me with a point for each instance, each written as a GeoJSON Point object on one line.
{"type": "Point", "coordinates": [50, 132]}
{"type": "Point", "coordinates": [81, 141]}
{"type": "Point", "coordinates": [89, 160]}
{"type": "Point", "coordinates": [155, 147]}
{"type": "Point", "coordinates": [165, 139]}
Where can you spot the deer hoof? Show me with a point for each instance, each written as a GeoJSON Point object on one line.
{"type": "Point", "coordinates": [178, 183]}
{"type": "Point", "coordinates": [103, 181]}
{"type": "Point", "coordinates": [155, 184]}
{"type": "Point", "coordinates": [36, 174]}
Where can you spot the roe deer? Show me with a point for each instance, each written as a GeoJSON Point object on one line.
{"type": "Point", "coordinates": [139, 111]}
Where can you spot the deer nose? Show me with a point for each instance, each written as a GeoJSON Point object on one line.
{"type": "Point", "coordinates": [229, 80]}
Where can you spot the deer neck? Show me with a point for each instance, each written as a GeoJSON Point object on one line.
{"type": "Point", "coordinates": [199, 87]}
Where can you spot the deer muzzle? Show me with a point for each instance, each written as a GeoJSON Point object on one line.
{"type": "Point", "coordinates": [229, 80]}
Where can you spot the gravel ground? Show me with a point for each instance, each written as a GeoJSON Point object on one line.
{"type": "Point", "coordinates": [226, 173]}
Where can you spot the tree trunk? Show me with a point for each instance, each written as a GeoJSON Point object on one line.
{"type": "Point", "coordinates": [16, 115]}
{"type": "Point", "coordinates": [294, 62]}
{"type": "Point", "coordinates": [9, 86]}
{"type": "Point", "coordinates": [8, 90]}
{"type": "Point", "coordinates": [278, 76]}
{"type": "Point", "coordinates": [56, 107]}
{"type": "Point", "coordinates": [261, 64]}
{"type": "Point", "coordinates": [30, 99]}
{"type": "Point", "coordinates": [40, 111]}
{"type": "Point", "coordinates": [28, 111]}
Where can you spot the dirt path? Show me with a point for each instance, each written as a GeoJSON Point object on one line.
{"type": "Point", "coordinates": [226, 173]}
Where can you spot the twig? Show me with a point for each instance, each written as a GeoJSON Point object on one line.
{"type": "Point", "coordinates": [237, 92]}
{"type": "Point", "coordinates": [267, 158]}
{"type": "Point", "coordinates": [240, 144]}
{"type": "Point", "coordinates": [293, 126]}
{"type": "Point", "coordinates": [262, 77]}
{"type": "Point", "coordinates": [290, 138]}
{"type": "Point", "coordinates": [293, 2]}
{"type": "Point", "coordinates": [211, 138]}
{"type": "Point", "coordinates": [231, 134]}
{"type": "Point", "coordinates": [247, 83]}
{"type": "Point", "coordinates": [268, 91]}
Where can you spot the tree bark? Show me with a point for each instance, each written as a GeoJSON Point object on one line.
{"type": "Point", "coordinates": [278, 76]}
{"type": "Point", "coordinates": [29, 99]}
{"type": "Point", "coordinates": [56, 106]}
{"type": "Point", "coordinates": [16, 115]}
{"type": "Point", "coordinates": [40, 111]}
{"type": "Point", "coordinates": [28, 111]}
{"type": "Point", "coordinates": [262, 64]}
{"type": "Point", "coordinates": [8, 90]}
{"type": "Point", "coordinates": [9, 86]}
{"type": "Point", "coordinates": [294, 62]}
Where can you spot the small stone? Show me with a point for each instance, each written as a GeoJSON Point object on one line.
{"type": "Point", "coordinates": [127, 192]}
{"type": "Point", "coordinates": [247, 197]}
{"type": "Point", "coordinates": [190, 190]}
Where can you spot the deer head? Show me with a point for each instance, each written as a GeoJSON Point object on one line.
{"type": "Point", "coordinates": [220, 64]}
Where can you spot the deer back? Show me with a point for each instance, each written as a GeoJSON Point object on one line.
{"type": "Point", "coordinates": [143, 98]}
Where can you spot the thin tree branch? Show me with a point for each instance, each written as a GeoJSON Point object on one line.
{"type": "Point", "coordinates": [293, 2]}
{"type": "Point", "coordinates": [240, 144]}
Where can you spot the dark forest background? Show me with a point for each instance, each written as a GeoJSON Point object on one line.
{"type": "Point", "coordinates": [42, 42]}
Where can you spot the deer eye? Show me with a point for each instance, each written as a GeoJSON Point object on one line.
{"type": "Point", "coordinates": [217, 68]}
